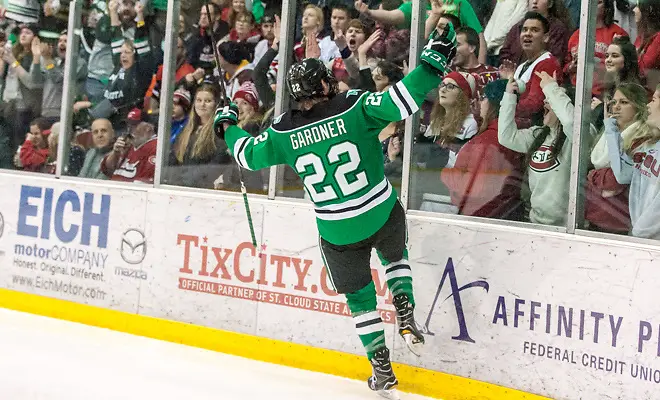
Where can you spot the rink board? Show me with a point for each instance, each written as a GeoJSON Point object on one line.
{"type": "Point", "coordinates": [555, 315]}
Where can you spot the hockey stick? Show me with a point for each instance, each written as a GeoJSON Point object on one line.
{"type": "Point", "coordinates": [223, 94]}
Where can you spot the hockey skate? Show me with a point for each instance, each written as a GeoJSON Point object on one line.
{"type": "Point", "coordinates": [407, 326]}
{"type": "Point", "coordinates": [383, 380]}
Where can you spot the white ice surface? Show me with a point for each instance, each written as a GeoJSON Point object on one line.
{"type": "Point", "coordinates": [44, 358]}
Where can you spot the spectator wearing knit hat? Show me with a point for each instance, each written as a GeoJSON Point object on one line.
{"type": "Point", "coordinates": [234, 61]}
{"type": "Point", "coordinates": [486, 178]}
{"type": "Point", "coordinates": [452, 123]}
{"type": "Point", "coordinates": [180, 110]}
{"type": "Point", "coordinates": [246, 98]}
{"type": "Point", "coordinates": [249, 119]}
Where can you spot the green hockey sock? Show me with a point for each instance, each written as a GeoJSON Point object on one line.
{"type": "Point", "coordinates": [399, 276]}
{"type": "Point", "coordinates": [367, 320]}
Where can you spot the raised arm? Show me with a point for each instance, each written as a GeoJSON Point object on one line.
{"type": "Point", "coordinates": [620, 162]}
{"type": "Point", "coordinates": [392, 17]}
{"type": "Point", "coordinates": [508, 133]}
{"type": "Point", "coordinates": [404, 98]}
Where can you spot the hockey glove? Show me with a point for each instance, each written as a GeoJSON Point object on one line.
{"type": "Point", "coordinates": [440, 50]}
{"type": "Point", "coordinates": [227, 114]}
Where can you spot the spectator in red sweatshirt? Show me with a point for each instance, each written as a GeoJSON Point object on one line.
{"type": "Point", "coordinates": [486, 179]}
{"type": "Point", "coordinates": [534, 37]}
{"type": "Point", "coordinates": [133, 156]}
{"type": "Point", "coordinates": [34, 151]}
{"type": "Point", "coordinates": [647, 16]}
{"type": "Point", "coordinates": [606, 30]}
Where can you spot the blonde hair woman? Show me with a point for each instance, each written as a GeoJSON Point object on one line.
{"type": "Point", "coordinates": [638, 166]}
{"type": "Point", "coordinates": [197, 143]}
{"type": "Point", "coordinates": [606, 206]}
{"type": "Point", "coordinates": [452, 123]}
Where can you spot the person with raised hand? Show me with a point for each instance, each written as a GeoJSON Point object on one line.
{"type": "Point", "coordinates": [356, 206]}
{"type": "Point", "coordinates": [547, 148]}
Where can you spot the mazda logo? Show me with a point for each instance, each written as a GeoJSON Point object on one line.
{"type": "Point", "coordinates": [133, 247]}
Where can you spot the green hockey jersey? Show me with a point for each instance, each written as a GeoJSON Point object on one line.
{"type": "Point", "coordinates": [334, 148]}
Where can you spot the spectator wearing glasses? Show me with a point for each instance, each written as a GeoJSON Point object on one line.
{"type": "Point", "coordinates": [244, 31]}
{"type": "Point", "coordinates": [452, 123]}
{"type": "Point", "coordinates": [133, 156]}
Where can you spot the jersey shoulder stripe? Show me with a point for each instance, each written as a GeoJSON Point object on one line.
{"type": "Point", "coordinates": [239, 146]}
{"type": "Point", "coordinates": [403, 100]}
{"type": "Point", "coordinates": [334, 108]}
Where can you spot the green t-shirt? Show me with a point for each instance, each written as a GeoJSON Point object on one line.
{"type": "Point", "coordinates": [159, 4]}
{"type": "Point", "coordinates": [460, 8]}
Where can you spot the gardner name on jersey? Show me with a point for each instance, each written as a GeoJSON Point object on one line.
{"type": "Point", "coordinates": [334, 148]}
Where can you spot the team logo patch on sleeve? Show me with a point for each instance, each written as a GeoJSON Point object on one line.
{"type": "Point", "coordinates": [543, 160]}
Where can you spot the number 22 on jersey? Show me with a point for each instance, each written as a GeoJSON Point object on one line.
{"type": "Point", "coordinates": [327, 192]}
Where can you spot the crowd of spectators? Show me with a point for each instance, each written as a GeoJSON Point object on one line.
{"type": "Point", "coordinates": [494, 140]}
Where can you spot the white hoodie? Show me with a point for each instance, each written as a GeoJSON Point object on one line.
{"type": "Point", "coordinates": [641, 171]}
{"type": "Point", "coordinates": [548, 176]}
{"type": "Point", "coordinates": [506, 14]}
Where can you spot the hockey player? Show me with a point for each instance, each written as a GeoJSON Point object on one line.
{"type": "Point", "coordinates": [332, 143]}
